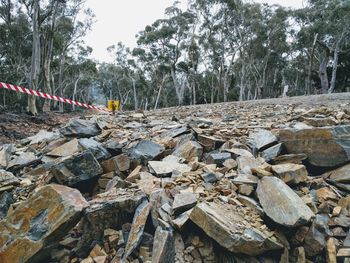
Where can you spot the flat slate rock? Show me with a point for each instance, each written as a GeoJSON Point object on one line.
{"type": "Point", "coordinates": [236, 228]}
{"type": "Point", "coordinates": [325, 147]}
{"type": "Point", "coordinates": [95, 147]}
{"type": "Point", "coordinates": [80, 128]}
{"type": "Point", "coordinates": [183, 202]}
{"type": "Point", "coordinates": [146, 151]}
{"type": "Point", "coordinates": [43, 219]}
{"type": "Point", "coordinates": [340, 175]}
{"type": "Point", "coordinates": [167, 168]}
{"type": "Point", "coordinates": [281, 203]}
{"type": "Point", "coordinates": [7, 179]}
{"type": "Point", "coordinates": [261, 139]}
{"type": "Point", "coordinates": [272, 152]}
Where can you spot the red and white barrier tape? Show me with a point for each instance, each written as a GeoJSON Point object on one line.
{"type": "Point", "coordinates": [48, 96]}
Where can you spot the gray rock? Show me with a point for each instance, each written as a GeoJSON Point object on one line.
{"type": "Point", "coordinates": [80, 128]}
{"type": "Point", "coordinates": [137, 227]}
{"type": "Point", "coordinates": [315, 242]}
{"type": "Point", "coordinates": [325, 147]}
{"type": "Point", "coordinates": [5, 154]}
{"type": "Point", "coordinates": [8, 179]}
{"type": "Point", "coordinates": [163, 246]}
{"type": "Point", "coordinates": [95, 147]}
{"type": "Point", "coordinates": [218, 158]}
{"type": "Point", "coordinates": [117, 182]}
{"type": "Point", "coordinates": [189, 151]}
{"type": "Point", "coordinates": [173, 133]}
{"type": "Point", "coordinates": [146, 151]}
{"type": "Point", "coordinates": [232, 226]}
{"type": "Point", "coordinates": [210, 143]}
{"type": "Point", "coordinates": [210, 177]}
{"type": "Point", "coordinates": [281, 203]}
{"type": "Point", "coordinates": [183, 202]}
{"type": "Point", "coordinates": [24, 159]}
{"type": "Point", "coordinates": [113, 147]}
{"type": "Point", "coordinates": [43, 136]}
{"type": "Point", "coordinates": [246, 164]}
{"type": "Point", "coordinates": [272, 152]}
{"type": "Point", "coordinates": [167, 168]}
{"type": "Point", "coordinates": [76, 169]}
{"type": "Point", "coordinates": [237, 152]}
{"type": "Point", "coordinates": [340, 175]}
{"type": "Point", "coordinates": [6, 199]}
{"type": "Point", "coordinates": [261, 139]}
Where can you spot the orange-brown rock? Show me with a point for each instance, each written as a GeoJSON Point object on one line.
{"type": "Point", "coordinates": [39, 221]}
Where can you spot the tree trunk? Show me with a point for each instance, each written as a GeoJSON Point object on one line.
{"type": "Point", "coordinates": [35, 66]}
{"type": "Point", "coordinates": [135, 95]}
{"type": "Point", "coordinates": [242, 89]}
{"type": "Point", "coordinates": [323, 73]}
{"type": "Point", "coordinates": [335, 67]}
{"type": "Point", "coordinates": [60, 77]}
{"type": "Point", "coordinates": [308, 91]}
{"type": "Point", "coordinates": [75, 91]}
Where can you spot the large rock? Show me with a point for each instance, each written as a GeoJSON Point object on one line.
{"type": "Point", "coordinates": [290, 173]}
{"type": "Point", "coordinates": [340, 175]}
{"type": "Point", "coordinates": [189, 150]}
{"type": "Point", "coordinates": [281, 203]}
{"type": "Point", "coordinates": [111, 209]}
{"type": "Point", "coordinates": [66, 149]}
{"type": "Point", "coordinates": [261, 139]}
{"type": "Point", "coordinates": [39, 221]}
{"type": "Point", "coordinates": [76, 169]}
{"type": "Point", "coordinates": [137, 227]}
{"type": "Point", "coordinates": [146, 151]}
{"type": "Point", "coordinates": [80, 128]}
{"type": "Point", "coordinates": [325, 147]}
{"type": "Point", "coordinates": [163, 246]}
{"type": "Point", "coordinates": [236, 228]}
{"type": "Point", "coordinates": [95, 147]}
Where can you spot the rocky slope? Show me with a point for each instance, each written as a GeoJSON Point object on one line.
{"type": "Point", "coordinates": [235, 182]}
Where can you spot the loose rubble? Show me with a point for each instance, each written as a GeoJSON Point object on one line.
{"type": "Point", "coordinates": [220, 183]}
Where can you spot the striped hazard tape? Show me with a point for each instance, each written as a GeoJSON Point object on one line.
{"type": "Point", "coordinates": [48, 96]}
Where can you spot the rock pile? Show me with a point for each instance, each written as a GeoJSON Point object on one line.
{"type": "Point", "coordinates": [225, 183]}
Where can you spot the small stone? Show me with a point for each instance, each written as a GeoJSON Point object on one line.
{"type": "Point", "coordinates": [183, 202]}
{"type": "Point", "coordinates": [325, 194]}
{"type": "Point", "coordinates": [218, 158]}
{"type": "Point", "coordinates": [336, 210]}
{"type": "Point", "coordinates": [245, 189]}
{"type": "Point", "coordinates": [230, 164]}
{"type": "Point", "coordinates": [210, 178]}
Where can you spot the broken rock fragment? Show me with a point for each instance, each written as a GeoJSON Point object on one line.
{"type": "Point", "coordinates": [189, 150]}
{"type": "Point", "coordinates": [163, 246]}
{"type": "Point", "coordinates": [183, 202]}
{"type": "Point", "coordinates": [38, 222]}
{"type": "Point", "coordinates": [236, 228]}
{"type": "Point", "coordinates": [261, 139]}
{"type": "Point", "coordinates": [76, 169]}
{"type": "Point", "coordinates": [325, 147]}
{"type": "Point", "coordinates": [80, 128]}
{"type": "Point", "coordinates": [290, 173]}
{"type": "Point", "coordinates": [7, 179]}
{"type": "Point", "coordinates": [146, 151]}
{"type": "Point", "coordinates": [281, 203]}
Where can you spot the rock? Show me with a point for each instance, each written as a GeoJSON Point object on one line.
{"type": "Point", "coordinates": [272, 152]}
{"type": "Point", "coordinates": [8, 179]}
{"type": "Point", "coordinates": [117, 182]}
{"type": "Point", "coordinates": [245, 189]}
{"type": "Point", "coordinates": [290, 158]}
{"type": "Point", "coordinates": [237, 152]}
{"type": "Point", "coordinates": [66, 149]}
{"type": "Point", "coordinates": [146, 151]}
{"type": "Point", "coordinates": [76, 169]}
{"type": "Point", "coordinates": [210, 143]}
{"type": "Point", "coordinates": [230, 164]}
{"type": "Point", "coordinates": [315, 242]}
{"type": "Point", "coordinates": [181, 220]}
{"type": "Point", "coordinates": [325, 147]}
{"type": "Point", "coordinates": [6, 200]}
{"type": "Point", "coordinates": [80, 128]}
{"type": "Point", "coordinates": [95, 147]}
{"type": "Point", "coordinates": [261, 139]}
{"type": "Point", "coordinates": [210, 178]}
{"type": "Point", "coordinates": [113, 147]}
{"type": "Point", "coordinates": [167, 168]}
{"type": "Point", "coordinates": [340, 175]}
{"type": "Point", "coordinates": [163, 246]}
{"type": "Point", "coordinates": [343, 253]}
{"type": "Point", "coordinates": [43, 136]}
{"type": "Point", "coordinates": [37, 223]}
{"type": "Point", "coordinates": [148, 183]}
{"type": "Point", "coordinates": [218, 158]}
{"type": "Point", "coordinates": [246, 164]}
{"type": "Point", "coordinates": [189, 151]}
{"type": "Point", "coordinates": [5, 154]}
{"type": "Point", "coordinates": [281, 203]}
{"type": "Point", "coordinates": [108, 210]}
{"type": "Point", "coordinates": [24, 159]}
{"type": "Point", "coordinates": [137, 227]}
{"type": "Point", "coordinates": [233, 228]}
{"type": "Point", "coordinates": [173, 133]}
{"type": "Point", "coordinates": [331, 251]}
{"type": "Point", "coordinates": [122, 162]}
{"type": "Point", "coordinates": [325, 194]}
{"type": "Point", "coordinates": [183, 202]}
{"type": "Point", "coordinates": [291, 173]}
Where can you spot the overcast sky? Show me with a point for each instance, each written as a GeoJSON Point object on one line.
{"type": "Point", "coordinates": [121, 20]}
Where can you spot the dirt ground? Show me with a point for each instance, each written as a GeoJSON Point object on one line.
{"type": "Point", "coordinates": [16, 126]}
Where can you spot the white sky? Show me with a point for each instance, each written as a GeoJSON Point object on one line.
{"type": "Point", "coordinates": [121, 20]}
